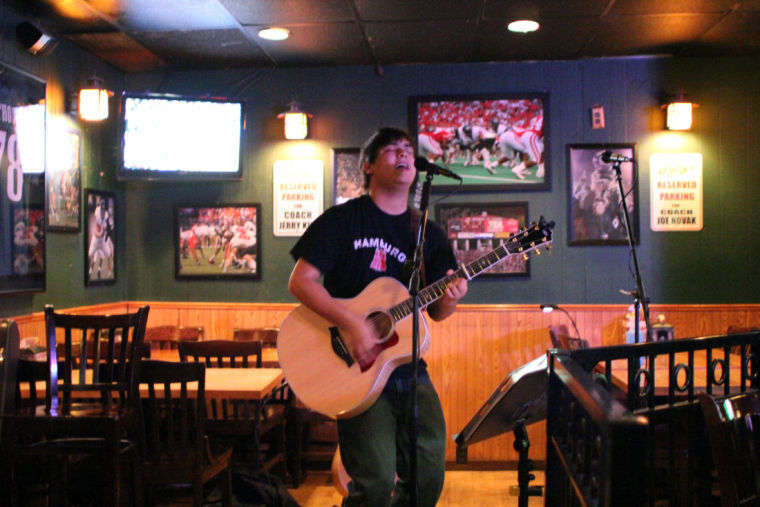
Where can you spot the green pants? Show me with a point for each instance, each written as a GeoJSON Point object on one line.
{"type": "Point", "coordinates": [374, 446]}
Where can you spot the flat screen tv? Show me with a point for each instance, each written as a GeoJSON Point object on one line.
{"type": "Point", "coordinates": [172, 137]}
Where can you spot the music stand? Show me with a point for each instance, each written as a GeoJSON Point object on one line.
{"type": "Point", "coordinates": [519, 400]}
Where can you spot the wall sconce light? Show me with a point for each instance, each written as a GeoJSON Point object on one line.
{"type": "Point", "coordinates": [550, 308]}
{"type": "Point", "coordinates": [678, 113]}
{"type": "Point", "coordinates": [296, 121]}
{"type": "Point", "coordinates": [93, 100]}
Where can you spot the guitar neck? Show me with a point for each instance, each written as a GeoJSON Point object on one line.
{"type": "Point", "coordinates": [521, 242]}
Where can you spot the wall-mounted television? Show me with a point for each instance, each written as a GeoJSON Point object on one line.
{"type": "Point", "coordinates": [171, 137]}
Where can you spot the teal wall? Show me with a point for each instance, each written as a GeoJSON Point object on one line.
{"type": "Point", "coordinates": [715, 265]}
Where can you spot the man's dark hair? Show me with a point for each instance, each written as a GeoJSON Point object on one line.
{"type": "Point", "coordinates": [380, 138]}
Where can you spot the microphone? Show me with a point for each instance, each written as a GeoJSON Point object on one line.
{"type": "Point", "coordinates": [608, 157]}
{"type": "Point", "coordinates": [422, 164]}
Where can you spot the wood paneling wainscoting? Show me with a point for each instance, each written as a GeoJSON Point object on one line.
{"type": "Point", "coordinates": [472, 351]}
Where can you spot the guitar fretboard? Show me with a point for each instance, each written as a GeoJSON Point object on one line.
{"type": "Point", "coordinates": [518, 243]}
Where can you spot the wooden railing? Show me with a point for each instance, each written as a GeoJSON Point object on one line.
{"type": "Point", "coordinates": [472, 351]}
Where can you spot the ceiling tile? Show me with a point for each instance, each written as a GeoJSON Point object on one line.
{"type": "Point", "coordinates": [279, 12]}
{"type": "Point", "coordinates": [426, 41]}
{"type": "Point", "coordinates": [418, 10]}
{"type": "Point", "coordinates": [205, 48]}
{"type": "Point", "coordinates": [119, 50]}
{"type": "Point", "coordinates": [165, 15]}
{"type": "Point", "coordinates": [326, 44]}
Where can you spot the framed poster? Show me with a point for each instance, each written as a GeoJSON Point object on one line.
{"type": "Point", "coordinates": [493, 142]}
{"type": "Point", "coordinates": [218, 241]}
{"type": "Point", "coordinates": [349, 177]}
{"type": "Point", "coordinates": [63, 180]}
{"type": "Point", "coordinates": [22, 192]}
{"type": "Point", "coordinates": [100, 238]}
{"type": "Point", "coordinates": [475, 229]}
{"type": "Point", "coordinates": [596, 214]}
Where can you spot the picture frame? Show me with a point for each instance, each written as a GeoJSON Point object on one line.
{"type": "Point", "coordinates": [475, 229]}
{"type": "Point", "coordinates": [100, 238]}
{"type": "Point", "coordinates": [28, 242]}
{"type": "Point", "coordinates": [63, 180]}
{"type": "Point", "coordinates": [217, 241]}
{"type": "Point", "coordinates": [23, 124]}
{"type": "Point", "coordinates": [595, 216]}
{"type": "Point", "coordinates": [348, 176]}
{"type": "Point", "coordinates": [494, 142]}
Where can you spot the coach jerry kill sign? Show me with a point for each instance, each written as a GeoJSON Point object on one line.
{"type": "Point", "coordinates": [676, 191]}
{"type": "Point", "coordinates": [298, 195]}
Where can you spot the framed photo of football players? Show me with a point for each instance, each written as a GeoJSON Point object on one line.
{"type": "Point", "coordinates": [100, 237]}
{"type": "Point", "coordinates": [349, 177]}
{"type": "Point", "coordinates": [595, 215]}
{"type": "Point", "coordinates": [220, 241]}
{"type": "Point", "coordinates": [493, 142]}
{"type": "Point", "coordinates": [475, 230]}
{"type": "Point", "coordinates": [63, 180]}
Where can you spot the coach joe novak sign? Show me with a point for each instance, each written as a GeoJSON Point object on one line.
{"type": "Point", "coordinates": [676, 191]}
{"type": "Point", "coordinates": [298, 195]}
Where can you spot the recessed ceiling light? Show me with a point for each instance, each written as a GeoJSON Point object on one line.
{"type": "Point", "coordinates": [274, 33]}
{"type": "Point", "coordinates": [523, 26]}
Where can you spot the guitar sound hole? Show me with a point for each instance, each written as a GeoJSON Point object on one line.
{"type": "Point", "coordinates": [383, 323]}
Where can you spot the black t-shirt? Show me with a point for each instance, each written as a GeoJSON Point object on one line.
{"type": "Point", "coordinates": [355, 242]}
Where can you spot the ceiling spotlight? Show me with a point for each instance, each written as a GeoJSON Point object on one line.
{"type": "Point", "coordinates": [274, 33]}
{"type": "Point", "coordinates": [523, 26]}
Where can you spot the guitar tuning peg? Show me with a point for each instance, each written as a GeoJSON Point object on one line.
{"type": "Point", "coordinates": [526, 256]}
{"type": "Point", "coordinates": [533, 224]}
{"type": "Point", "coordinates": [538, 251]}
{"type": "Point", "coordinates": [548, 248]}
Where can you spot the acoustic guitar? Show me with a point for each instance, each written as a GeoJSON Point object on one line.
{"type": "Point", "coordinates": [316, 361]}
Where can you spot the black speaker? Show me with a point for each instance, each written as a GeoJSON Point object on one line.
{"type": "Point", "coordinates": [33, 39]}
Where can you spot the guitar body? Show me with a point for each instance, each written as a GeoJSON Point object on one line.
{"type": "Point", "coordinates": [320, 377]}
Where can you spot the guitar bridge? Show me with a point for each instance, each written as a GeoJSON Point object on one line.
{"type": "Point", "coordinates": [339, 347]}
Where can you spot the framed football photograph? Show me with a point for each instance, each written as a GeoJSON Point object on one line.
{"type": "Point", "coordinates": [476, 229]}
{"type": "Point", "coordinates": [218, 241]}
{"type": "Point", "coordinates": [63, 180]}
{"type": "Point", "coordinates": [100, 238]}
{"type": "Point", "coordinates": [493, 142]}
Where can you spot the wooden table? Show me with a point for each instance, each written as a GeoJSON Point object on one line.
{"type": "Point", "coordinates": [237, 383]}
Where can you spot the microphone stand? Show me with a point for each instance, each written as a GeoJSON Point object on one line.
{"type": "Point", "coordinates": [639, 296]}
{"type": "Point", "coordinates": [414, 289]}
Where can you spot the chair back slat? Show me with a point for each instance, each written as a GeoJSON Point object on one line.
{"type": "Point", "coordinates": [174, 423]}
{"type": "Point", "coordinates": [222, 353]}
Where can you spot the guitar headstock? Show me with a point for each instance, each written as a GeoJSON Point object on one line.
{"type": "Point", "coordinates": [531, 238]}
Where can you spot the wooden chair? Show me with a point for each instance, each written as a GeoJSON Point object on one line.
{"type": "Point", "coordinates": [91, 404]}
{"type": "Point", "coordinates": [190, 333]}
{"type": "Point", "coordinates": [561, 339]}
{"type": "Point", "coordinates": [733, 427]}
{"type": "Point", "coordinates": [9, 355]}
{"type": "Point", "coordinates": [222, 353]}
{"type": "Point", "coordinates": [554, 334]}
{"type": "Point", "coordinates": [162, 337]}
{"type": "Point", "coordinates": [174, 447]}
{"type": "Point", "coordinates": [266, 335]}
{"type": "Point", "coordinates": [245, 422]}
